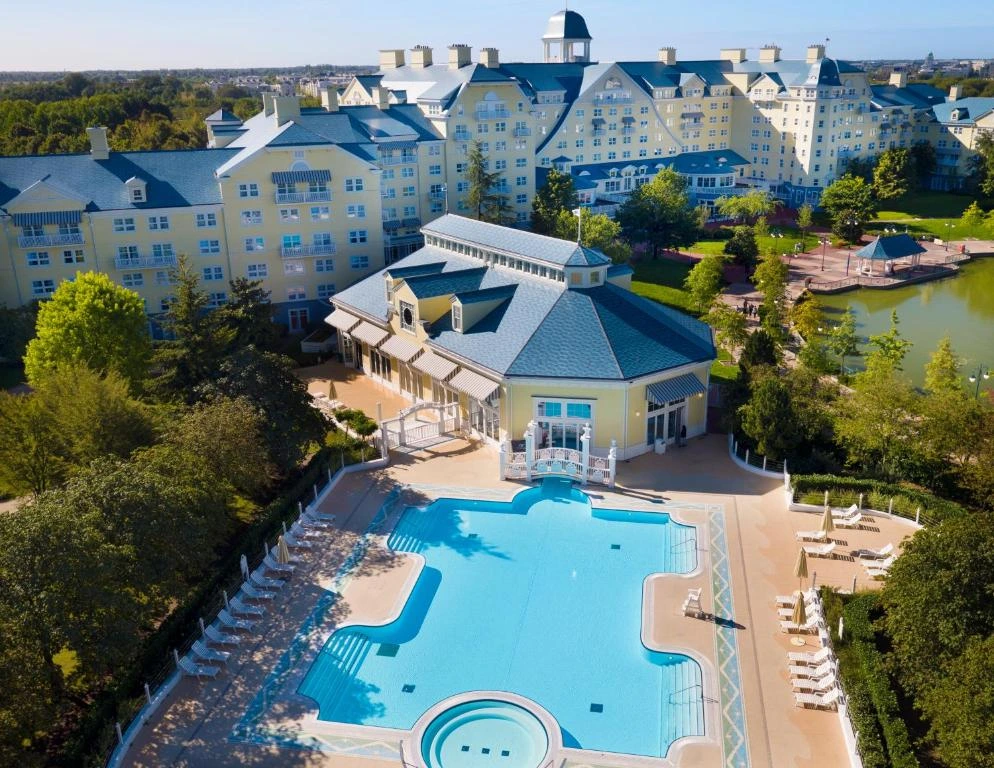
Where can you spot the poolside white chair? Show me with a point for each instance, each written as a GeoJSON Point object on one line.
{"type": "Point", "coordinates": [307, 521]}
{"type": "Point", "coordinates": [802, 670]}
{"type": "Point", "coordinates": [874, 554]}
{"type": "Point", "coordinates": [252, 593]}
{"type": "Point", "coordinates": [209, 655]}
{"type": "Point", "coordinates": [850, 512]}
{"type": "Point", "coordinates": [296, 541]}
{"type": "Point", "coordinates": [238, 608]}
{"type": "Point", "coordinates": [259, 579]}
{"type": "Point", "coordinates": [788, 600]}
{"type": "Point", "coordinates": [190, 668]}
{"type": "Point", "coordinates": [324, 517]}
{"type": "Point", "coordinates": [823, 685]}
{"type": "Point", "coordinates": [811, 535]}
{"type": "Point", "coordinates": [230, 621]}
{"type": "Point", "coordinates": [281, 568]}
{"type": "Point", "coordinates": [820, 550]}
{"type": "Point", "coordinates": [816, 701]}
{"type": "Point", "coordinates": [214, 636]}
{"type": "Point", "coordinates": [813, 611]}
{"type": "Point", "coordinates": [801, 629]}
{"type": "Point", "coordinates": [856, 521]}
{"type": "Point", "coordinates": [813, 659]}
{"type": "Point", "coordinates": [887, 562]}
{"type": "Point", "coordinates": [692, 604]}
{"type": "Point", "coordinates": [877, 573]}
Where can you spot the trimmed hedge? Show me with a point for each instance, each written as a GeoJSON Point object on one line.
{"type": "Point", "coordinates": [94, 737]}
{"type": "Point", "coordinates": [843, 491]}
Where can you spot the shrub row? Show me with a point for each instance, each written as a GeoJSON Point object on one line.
{"type": "Point", "coordinates": [94, 738]}
{"type": "Point", "coordinates": [843, 491]}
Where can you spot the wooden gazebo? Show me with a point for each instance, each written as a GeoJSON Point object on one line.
{"type": "Point", "coordinates": [888, 251]}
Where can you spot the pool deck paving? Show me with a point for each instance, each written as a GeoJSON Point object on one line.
{"type": "Point", "coordinates": [746, 542]}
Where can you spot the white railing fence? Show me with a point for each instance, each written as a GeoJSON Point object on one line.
{"type": "Point", "coordinates": [753, 462]}
{"type": "Point", "coordinates": [575, 464]}
{"type": "Point", "coordinates": [406, 429]}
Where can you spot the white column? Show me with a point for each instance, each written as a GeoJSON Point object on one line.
{"type": "Point", "coordinates": [383, 437]}
{"type": "Point", "coordinates": [584, 453]}
{"type": "Point", "coordinates": [529, 449]}
{"type": "Point", "coordinates": [503, 460]}
{"type": "Point", "coordinates": [612, 456]}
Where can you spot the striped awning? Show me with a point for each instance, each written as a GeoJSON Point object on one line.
{"type": "Point", "coordinates": [369, 333]}
{"type": "Point", "coordinates": [386, 146]}
{"type": "Point", "coordinates": [473, 384]}
{"type": "Point", "coordinates": [435, 366]}
{"type": "Point", "coordinates": [46, 217]}
{"type": "Point", "coordinates": [674, 389]}
{"type": "Point", "coordinates": [342, 320]}
{"type": "Point", "coordinates": [403, 349]}
{"type": "Point", "coordinates": [414, 221]}
{"type": "Point", "coordinates": [292, 177]}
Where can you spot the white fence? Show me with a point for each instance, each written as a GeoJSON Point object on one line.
{"type": "Point", "coordinates": [408, 430]}
{"type": "Point", "coordinates": [755, 463]}
{"type": "Point", "coordinates": [575, 464]}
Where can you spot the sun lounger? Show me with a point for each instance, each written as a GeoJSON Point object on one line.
{"type": "Point", "coordinates": [820, 550]}
{"type": "Point", "coordinates": [307, 521]}
{"type": "Point", "coordinates": [301, 532]}
{"type": "Point", "coordinates": [800, 629]}
{"type": "Point", "coordinates": [811, 535]}
{"type": "Point", "coordinates": [234, 622]}
{"type": "Point", "coordinates": [826, 683]}
{"type": "Point", "coordinates": [813, 611]}
{"type": "Point", "coordinates": [281, 568]}
{"type": "Point", "coordinates": [803, 670]}
{"type": "Point", "coordinates": [209, 655]}
{"type": "Point", "coordinates": [789, 600]}
{"type": "Point", "coordinates": [323, 517]}
{"type": "Point", "coordinates": [812, 659]}
{"type": "Point", "coordinates": [874, 554]}
{"type": "Point", "coordinates": [856, 521]}
{"type": "Point", "coordinates": [850, 512]}
{"type": "Point", "coordinates": [259, 579]}
{"type": "Point", "coordinates": [887, 562]}
{"type": "Point", "coordinates": [237, 607]}
{"type": "Point", "coordinates": [293, 542]}
{"type": "Point", "coordinates": [827, 701]}
{"type": "Point", "coordinates": [214, 636]}
{"type": "Point", "coordinates": [252, 593]}
{"type": "Point", "coordinates": [877, 573]}
{"type": "Point", "coordinates": [200, 671]}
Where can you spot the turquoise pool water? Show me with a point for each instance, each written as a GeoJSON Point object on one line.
{"type": "Point", "coordinates": [479, 733]}
{"type": "Point", "coordinates": [541, 597]}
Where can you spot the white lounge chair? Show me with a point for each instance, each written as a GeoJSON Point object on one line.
{"type": "Point", "coordinates": [856, 521]}
{"type": "Point", "coordinates": [190, 668]}
{"type": "Point", "coordinates": [259, 579]}
{"type": "Point", "coordinates": [301, 532]}
{"type": "Point", "coordinates": [803, 670]}
{"type": "Point", "coordinates": [827, 701]}
{"type": "Point", "coordinates": [281, 568]}
{"type": "Point", "coordinates": [820, 550]}
{"type": "Point", "coordinates": [826, 683]}
{"type": "Point", "coordinates": [813, 611]}
{"type": "Point", "coordinates": [852, 511]}
{"type": "Point", "coordinates": [209, 655]}
{"type": "Point", "coordinates": [310, 522]}
{"type": "Point", "coordinates": [237, 607]}
{"type": "Point", "coordinates": [874, 554]}
{"type": "Point", "coordinates": [214, 636]}
{"type": "Point", "coordinates": [324, 517]}
{"type": "Point", "coordinates": [293, 542]}
{"type": "Point", "coordinates": [887, 562]}
{"type": "Point", "coordinates": [812, 659]}
{"type": "Point", "coordinates": [692, 604]}
{"type": "Point", "coordinates": [230, 621]}
{"type": "Point", "coordinates": [801, 629]}
{"type": "Point", "coordinates": [789, 600]}
{"type": "Point", "coordinates": [252, 593]}
{"type": "Point", "coordinates": [877, 573]}
{"type": "Point", "coordinates": [811, 535]}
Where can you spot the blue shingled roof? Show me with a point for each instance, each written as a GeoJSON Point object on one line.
{"type": "Point", "coordinates": [485, 294]}
{"type": "Point", "coordinates": [174, 178]}
{"type": "Point", "coordinates": [445, 283]}
{"type": "Point", "coordinates": [890, 247]}
{"type": "Point", "coordinates": [551, 250]}
{"type": "Point", "coordinates": [969, 109]}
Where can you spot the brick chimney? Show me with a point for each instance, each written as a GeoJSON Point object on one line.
{"type": "Point", "coordinates": [815, 52]}
{"type": "Point", "coordinates": [421, 56]}
{"type": "Point", "coordinates": [490, 58]}
{"type": "Point", "coordinates": [329, 98]}
{"type": "Point", "coordinates": [769, 54]}
{"type": "Point", "coordinates": [734, 55]}
{"type": "Point", "coordinates": [899, 79]}
{"type": "Point", "coordinates": [667, 56]}
{"type": "Point", "coordinates": [460, 55]}
{"type": "Point", "coordinates": [391, 58]}
{"type": "Point", "coordinates": [99, 148]}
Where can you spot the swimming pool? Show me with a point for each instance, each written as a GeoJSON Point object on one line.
{"type": "Point", "coordinates": [541, 597]}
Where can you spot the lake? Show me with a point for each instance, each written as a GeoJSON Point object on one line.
{"type": "Point", "coordinates": [961, 306]}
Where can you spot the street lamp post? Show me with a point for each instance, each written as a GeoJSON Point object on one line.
{"type": "Point", "coordinates": [982, 372]}
{"type": "Point", "coordinates": [824, 245]}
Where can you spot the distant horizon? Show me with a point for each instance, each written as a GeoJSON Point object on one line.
{"type": "Point", "coordinates": [179, 35]}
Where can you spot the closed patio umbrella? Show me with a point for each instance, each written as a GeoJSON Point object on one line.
{"type": "Point", "coordinates": [282, 551]}
{"type": "Point", "coordinates": [801, 567]}
{"type": "Point", "coordinates": [243, 562]}
{"type": "Point", "coordinates": [827, 523]}
{"type": "Point", "coordinates": [800, 616]}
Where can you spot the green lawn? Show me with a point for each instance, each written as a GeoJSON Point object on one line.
{"type": "Point", "coordinates": [662, 280]}
{"type": "Point", "coordinates": [945, 229]}
{"type": "Point", "coordinates": [725, 372]}
{"type": "Point", "coordinates": [766, 243]}
{"type": "Point", "coordinates": [926, 205]}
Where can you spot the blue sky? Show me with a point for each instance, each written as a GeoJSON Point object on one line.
{"type": "Point", "coordinates": [139, 34]}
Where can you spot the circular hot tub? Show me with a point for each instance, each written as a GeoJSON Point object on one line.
{"type": "Point", "coordinates": [485, 732]}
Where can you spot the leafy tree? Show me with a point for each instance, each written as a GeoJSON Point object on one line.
{"type": "Point", "coordinates": [861, 167]}
{"type": "Point", "coordinates": [484, 197]}
{"type": "Point", "coordinates": [973, 216]}
{"type": "Point", "coordinates": [94, 322]}
{"type": "Point", "coordinates": [659, 214]}
{"type": "Point", "coordinates": [804, 220]}
{"type": "Point", "coordinates": [843, 340]}
{"type": "Point", "coordinates": [938, 598]}
{"type": "Point", "coordinates": [556, 196]}
{"type": "Point", "coordinates": [704, 281]}
{"type": "Point", "coordinates": [760, 349]}
{"type": "Point", "coordinates": [729, 325]}
{"type": "Point", "coordinates": [248, 315]}
{"type": "Point", "coordinates": [890, 347]}
{"type": "Point", "coordinates": [806, 316]}
{"type": "Point", "coordinates": [960, 707]}
{"type": "Point", "coordinates": [923, 163]}
{"type": "Point", "coordinates": [771, 278]}
{"type": "Point", "coordinates": [850, 204]}
{"type": "Point", "coordinates": [769, 419]}
{"type": "Point", "coordinates": [942, 370]}
{"type": "Point", "coordinates": [32, 449]}
{"type": "Point", "coordinates": [984, 172]}
{"type": "Point", "coordinates": [749, 206]}
{"type": "Point", "coordinates": [17, 328]}
{"type": "Point", "coordinates": [742, 245]}
{"type": "Point", "coordinates": [597, 231]}
{"type": "Point", "coordinates": [892, 176]}
{"type": "Point", "coordinates": [813, 355]}
{"type": "Point", "coordinates": [761, 227]}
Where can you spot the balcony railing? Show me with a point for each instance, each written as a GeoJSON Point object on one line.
{"type": "Point", "coordinates": [144, 262]}
{"type": "Point", "coordinates": [438, 194]}
{"type": "Point", "coordinates": [493, 113]}
{"type": "Point", "coordinates": [398, 159]}
{"type": "Point", "coordinates": [627, 131]}
{"type": "Point", "coordinates": [613, 97]}
{"type": "Point", "coordinates": [597, 132]}
{"type": "Point", "coordinates": [522, 132]}
{"type": "Point", "coordinates": [462, 135]}
{"type": "Point", "coordinates": [299, 251]}
{"type": "Point", "coordinates": [41, 241]}
{"type": "Point", "coordinates": [303, 197]}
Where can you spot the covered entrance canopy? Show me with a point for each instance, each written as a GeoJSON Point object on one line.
{"type": "Point", "coordinates": [674, 389]}
{"type": "Point", "coordinates": [473, 384]}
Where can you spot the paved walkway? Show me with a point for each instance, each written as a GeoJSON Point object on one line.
{"type": "Point", "coordinates": [699, 481]}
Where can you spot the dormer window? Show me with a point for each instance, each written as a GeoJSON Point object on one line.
{"type": "Point", "coordinates": [407, 316]}
{"type": "Point", "coordinates": [457, 317]}
{"type": "Point", "coordinates": [138, 195]}
{"type": "Point", "coordinates": [136, 190]}
{"type": "Point", "coordinates": [595, 278]}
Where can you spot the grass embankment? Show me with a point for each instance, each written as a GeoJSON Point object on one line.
{"type": "Point", "coordinates": [662, 280]}
{"type": "Point", "coordinates": [933, 214]}
{"type": "Point", "coordinates": [767, 243]}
